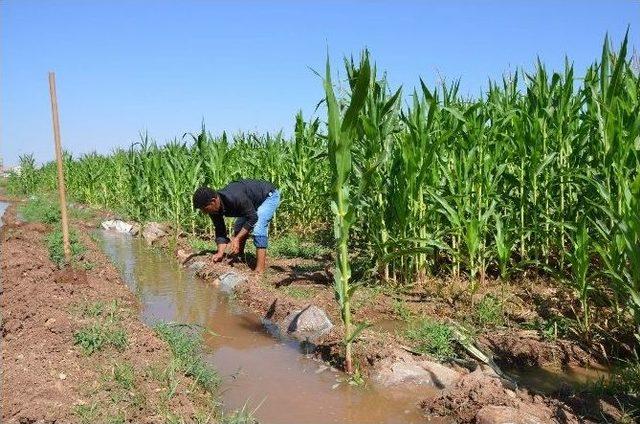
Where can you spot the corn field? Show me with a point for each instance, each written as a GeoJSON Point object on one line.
{"type": "Point", "coordinates": [540, 174]}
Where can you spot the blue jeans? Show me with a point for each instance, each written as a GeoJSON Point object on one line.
{"type": "Point", "coordinates": [265, 213]}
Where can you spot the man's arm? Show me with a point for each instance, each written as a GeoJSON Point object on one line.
{"type": "Point", "coordinates": [221, 235]}
{"type": "Point", "coordinates": [250, 213]}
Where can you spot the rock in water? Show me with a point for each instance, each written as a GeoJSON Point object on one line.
{"type": "Point", "coordinates": [229, 280]}
{"type": "Point", "coordinates": [403, 368]}
{"type": "Point", "coordinates": [117, 225]}
{"type": "Point", "coordinates": [152, 231]}
{"type": "Point", "coordinates": [309, 324]}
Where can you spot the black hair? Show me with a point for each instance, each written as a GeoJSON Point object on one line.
{"type": "Point", "coordinates": [203, 196]}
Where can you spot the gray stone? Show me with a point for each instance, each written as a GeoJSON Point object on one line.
{"type": "Point", "coordinates": [135, 229]}
{"type": "Point", "coordinates": [229, 281]}
{"type": "Point", "coordinates": [403, 368]}
{"type": "Point", "coordinates": [117, 225]}
{"type": "Point", "coordinates": [492, 414]}
{"type": "Point", "coordinates": [152, 231]}
{"type": "Point", "coordinates": [197, 265]}
{"type": "Point", "coordinates": [308, 324]}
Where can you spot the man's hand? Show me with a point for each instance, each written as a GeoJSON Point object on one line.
{"type": "Point", "coordinates": [234, 246]}
{"type": "Point", "coordinates": [217, 257]}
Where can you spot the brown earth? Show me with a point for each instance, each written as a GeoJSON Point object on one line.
{"type": "Point", "coordinates": [45, 377]}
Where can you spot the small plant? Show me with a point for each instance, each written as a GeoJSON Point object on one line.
{"type": "Point", "coordinates": [86, 413]}
{"type": "Point", "coordinates": [401, 310]}
{"type": "Point", "coordinates": [56, 250]}
{"type": "Point", "coordinates": [98, 336]}
{"type": "Point", "coordinates": [580, 280]}
{"type": "Point", "coordinates": [489, 311]}
{"type": "Point", "coordinates": [431, 337]}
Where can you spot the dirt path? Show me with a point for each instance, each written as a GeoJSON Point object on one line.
{"type": "Point", "coordinates": [46, 377]}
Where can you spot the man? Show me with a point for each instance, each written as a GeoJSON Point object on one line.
{"type": "Point", "coordinates": [252, 203]}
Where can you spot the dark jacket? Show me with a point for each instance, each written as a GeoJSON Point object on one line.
{"type": "Point", "coordinates": [240, 199]}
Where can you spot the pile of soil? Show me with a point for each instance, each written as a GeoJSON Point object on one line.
{"type": "Point", "coordinates": [45, 377]}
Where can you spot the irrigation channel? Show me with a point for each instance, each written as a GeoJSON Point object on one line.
{"type": "Point", "coordinates": [259, 370]}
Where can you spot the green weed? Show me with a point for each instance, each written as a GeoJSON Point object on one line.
{"type": "Point", "coordinates": [431, 337]}
{"type": "Point", "coordinates": [551, 328]}
{"type": "Point", "coordinates": [86, 413]}
{"type": "Point", "coordinates": [56, 250]}
{"type": "Point", "coordinates": [489, 311]}
{"type": "Point", "coordinates": [123, 375]}
{"type": "Point", "coordinates": [96, 337]}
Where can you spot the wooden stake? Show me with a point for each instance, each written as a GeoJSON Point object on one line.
{"type": "Point", "coordinates": [61, 187]}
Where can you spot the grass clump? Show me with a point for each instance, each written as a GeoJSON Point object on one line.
{"type": "Point", "coordinates": [431, 337]}
{"type": "Point", "coordinates": [98, 336]}
{"type": "Point", "coordinates": [86, 413]}
{"type": "Point", "coordinates": [489, 311]}
{"type": "Point", "coordinates": [187, 352]}
{"type": "Point", "coordinates": [298, 292]}
{"type": "Point", "coordinates": [123, 375]}
{"type": "Point", "coordinates": [292, 246]}
{"type": "Point", "coordinates": [56, 249]}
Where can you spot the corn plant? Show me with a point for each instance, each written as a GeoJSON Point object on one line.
{"type": "Point", "coordinates": [341, 132]}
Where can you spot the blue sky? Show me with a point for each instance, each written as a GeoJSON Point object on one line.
{"type": "Point", "coordinates": [127, 66]}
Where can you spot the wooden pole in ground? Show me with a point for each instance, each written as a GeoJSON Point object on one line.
{"type": "Point", "coordinates": [61, 188]}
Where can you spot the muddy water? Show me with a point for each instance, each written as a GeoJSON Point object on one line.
{"type": "Point", "coordinates": [548, 380]}
{"type": "Point", "coordinates": [260, 371]}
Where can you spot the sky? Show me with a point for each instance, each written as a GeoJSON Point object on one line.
{"type": "Point", "coordinates": [123, 67]}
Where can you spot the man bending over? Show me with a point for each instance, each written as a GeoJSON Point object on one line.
{"type": "Point", "coordinates": [252, 203]}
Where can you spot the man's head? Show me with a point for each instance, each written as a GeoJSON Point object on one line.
{"type": "Point", "coordinates": [207, 200]}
